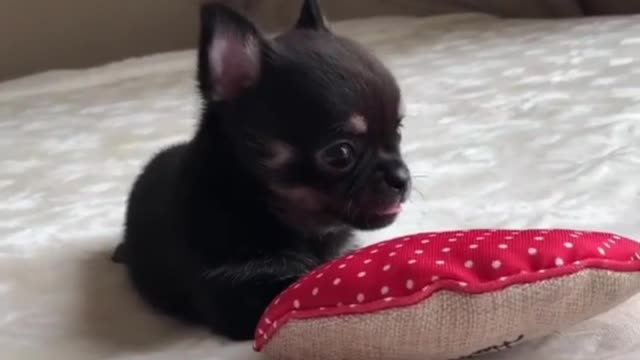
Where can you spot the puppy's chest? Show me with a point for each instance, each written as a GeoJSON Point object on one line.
{"type": "Point", "coordinates": [332, 246]}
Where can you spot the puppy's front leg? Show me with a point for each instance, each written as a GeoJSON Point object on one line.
{"type": "Point", "coordinates": [238, 293]}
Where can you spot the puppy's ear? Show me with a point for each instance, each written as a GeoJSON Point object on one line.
{"type": "Point", "coordinates": [311, 17]}
{"type": "Point", "coordinates": [230, 53]}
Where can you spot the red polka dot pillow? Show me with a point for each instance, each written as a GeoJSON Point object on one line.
{"type": "Point", "coordinates": [449, 295]}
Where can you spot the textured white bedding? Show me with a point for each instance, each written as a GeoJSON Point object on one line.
{"type": "Point", "coordinates": [510, 124]}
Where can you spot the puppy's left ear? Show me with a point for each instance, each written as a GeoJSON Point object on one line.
{"type": "Point", "coordinates": [230, 54]}
{"type": "Point", "coordinates": [311, 17]}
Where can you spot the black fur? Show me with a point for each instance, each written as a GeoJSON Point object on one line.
{"type": "Point", "coordinates": [214, 231]}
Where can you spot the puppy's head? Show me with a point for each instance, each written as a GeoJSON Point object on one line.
{"type": "Point", "coordinates": [312, 115]}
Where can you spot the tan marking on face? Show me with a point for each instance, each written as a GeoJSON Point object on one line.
{"type": "Point", "coordinates": [357, 124]}
{"type": "Point", "coordinates": [302, 196]}
{"type": "Point", "coordinates": [280, 154]}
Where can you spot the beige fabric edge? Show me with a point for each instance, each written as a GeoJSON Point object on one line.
{"type": "Point", "coordinates": [450, 325]}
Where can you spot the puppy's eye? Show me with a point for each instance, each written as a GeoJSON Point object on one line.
{"type": "Point", "coordinates": [339, 156]}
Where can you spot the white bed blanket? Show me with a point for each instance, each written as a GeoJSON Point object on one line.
{"type": "Point", "coordinates": [511, 123]}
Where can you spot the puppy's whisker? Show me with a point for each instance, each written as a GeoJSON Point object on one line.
{"type": "Point", "coordinates": [415, 189]}
{"type": "Point", "coordinates": [347, 210]}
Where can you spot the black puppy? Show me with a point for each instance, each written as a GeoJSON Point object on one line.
{"type": "Point", "coordinates": [298, 145]}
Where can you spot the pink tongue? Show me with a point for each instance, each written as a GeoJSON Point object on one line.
{"type": "Point", "coordinates": [395, 209]}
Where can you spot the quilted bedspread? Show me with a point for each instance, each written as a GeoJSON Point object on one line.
{"type": "Point", "coordinates": [511, 123]}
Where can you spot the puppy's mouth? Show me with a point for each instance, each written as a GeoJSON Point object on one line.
{"type": "Point", "coordinates": [363, 212]}
{"type": "Point", "coordinates": [390, 210]}
{"type": "Point", "coordinates": [367, 216]}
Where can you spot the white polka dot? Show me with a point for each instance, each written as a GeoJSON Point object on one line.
{"type": "Point", "coordinates": [399, 246]}
{"type": "Point", "coordinates": [425, 241]}
{"type": "Point", "coordinates": [538, 238]}
{"type": "Point", "coordinates": [616, 237]}
{"type": "Point", "coordinates": [368, 261]}
{"type": "Point", "coordinates": [459, 234]}
{"type": "Point", "coordinates": [342, 266]}
{"type": "Point", "coordinates": [508, 237]}
{"type": "Point", "coordinates": [374, 251]}
{"type": "Point", "coordinates": [504, 278]}
{"type": "Point", "coordinates": [463, 284]}
{"type": "Point", "coordinates": [496, 264]}
{"type": "Point", "coordinates": [319, 276]}
{"type": "Point", "coordinates": [315, 291]}
{"type": "Point", "coordinates": [568, 245]}
{"type": "Point", "coordinates": [296, 286]}
{"type": "Point", "coordinates": [611, 241]}
{"type": "Point", "coordinates": [296, 304]}
{"type": "Point", "coordinates": [559, 262]}
{"type": "Point", "coordinates": [468, 264]}
{"type": "Point", "coordinates": [386, 267]}
{"type": "Point", "coordinates": [638, 256]}
{"type": "Point", "coordinates": [439, 262]}
{"type": "Point", "coordinates": [533, 251]}
{"type": "Point", "coordinates": [453, 240]}
{"type": "Point", "coordinates": [412, 261]}
{"type": "Point", "coordinates": [322, 308]}
{"type": "Point", "coordinates": [601, 251]}
{"type": "Point", "coordinates": [542, 271]}
{"type": "Point", "coordinates": [265, 337]}
{"type": "Point", "coordinates": [435, 278]}
{"type": "Point", "coordinates": [409, 284]}
{"type": "Point", "coordinates": [446, 250]}
{"type": "Point", "coordinates": [268, 321]}
{"type": "Point", "coordinates": [389, 299]}
{"type": "Point", "coordinates": [503, 246]}
{"type": "Point", "coordinates": [384, 290]}
{"type": "Point", "coordinates": [277, 301]}
{"type": "Point", "coordinates": [473, 246]}
{"type": "Point", "coordinates": [360, 297]}
{"type": "Point", "coordinates": [419, 252]}
{"type": "Point", "coordinates": [362, 274]}
{"type": "Point", "coordinates": [480, 238]}
{"type": "Point", "coordinates": [574, 235]}
{"type": "Point", "coordinates": [353, 305]}
{"type": "Point", "coordinates": [607, 245]}
{"type": "Point", "coordinates": [433, 235]}
{"type": "Point", "coordinates": [407, 238]}
{"type": "Point", "coordinates": [337, 281]}
{"type": "Point", "coordinates": [350, 257]}
{"type": "Point", "coordinates": [577, 263]}
{"type": "Point", "coordinates": [275, 324]}
{"type": "Point", "coordinates": [393, 253]}
{"type": "Point", "coordinates": [260, 332]}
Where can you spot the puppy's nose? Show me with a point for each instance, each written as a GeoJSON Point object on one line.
{"type": "Point", "coordinates": [398, 178]}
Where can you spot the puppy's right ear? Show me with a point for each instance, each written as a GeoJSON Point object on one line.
{"type": "Point", "coordinates": [311, 17]}
{"type": "Point", "coordinates": [230, 53]}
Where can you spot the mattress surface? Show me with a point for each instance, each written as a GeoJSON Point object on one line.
{"type": "Point", "coordinates": [510, 123]}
